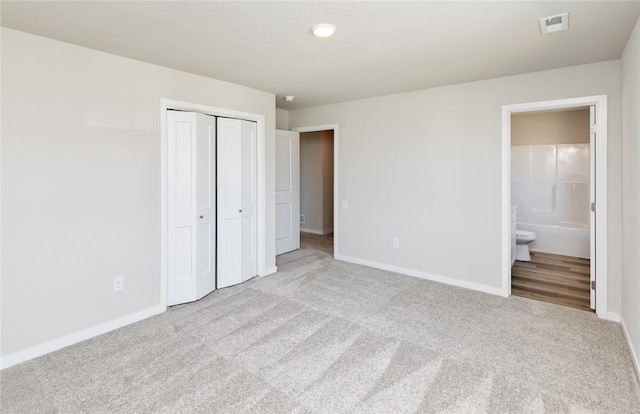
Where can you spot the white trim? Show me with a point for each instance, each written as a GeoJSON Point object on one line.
{"type": "Point", "coordinates": [312, 231]}
{"type": "Point", "coordinates": [634, 355]}
{"type": "Point", "coordinates": [422, 275]}
{"type": "Point", "coordinates": [269, 271]}
{"type": "Point", "coordinates": [612, 316]}
{"type": "Point", "coordinates": [92, 332]}
{"type": "Point", "coordinates": [336, 216]}
{"type": "Point", "coordinates": [600, 102]}
{"type": "Point", "coordinates": [166, 104]}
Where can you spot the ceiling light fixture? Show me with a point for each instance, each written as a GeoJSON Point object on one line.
{"type": "Point", "coordinates": [323, 30]}
{"type": "Point", "coordinates": [552, 24]}
{"type": "Point", "coordinates": [289, 98]}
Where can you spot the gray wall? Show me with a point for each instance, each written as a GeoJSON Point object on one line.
{"type": "Point", "coordinates": [425, 167]}
{"type": "Point", "coordinates": [631, 193]}
{"type": "Point", "coordinates": [81, 183]}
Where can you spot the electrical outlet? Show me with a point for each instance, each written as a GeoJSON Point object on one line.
{"type": "Point", "coordinates": [118, 283]}
{"type": "Point", "coordinates": [302, 219]}
{"type": "Point", "coordinates": [345, 205]}
{"type": "Point", "coordinates": [396, 242]}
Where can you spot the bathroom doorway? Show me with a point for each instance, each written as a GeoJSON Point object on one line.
{"type": "Point", "coordinates": [550, 195]}
{"type": "Point", "coordinates": [550, 151]}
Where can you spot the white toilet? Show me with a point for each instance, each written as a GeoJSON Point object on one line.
{"type": "Point", "coordinates": [523, 238]}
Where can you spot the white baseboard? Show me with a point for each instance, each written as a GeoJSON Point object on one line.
{"type": "Point", "coordinates": [423, 275]}
{"type": "Point", "coordinates": [269, 271]}
{"type": "Point", "coordinates": [632, 351]}
{"type": "Point", "coordinates": [52, 346]}
{"type": "Point", "coordinates": [312, 231]}
{"type": "Point", "coordinates": [611, 316]}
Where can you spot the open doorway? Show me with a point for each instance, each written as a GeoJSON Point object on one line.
{"type": "Point", "coordinates": [597, 196]}
{"type": "Point", "coordinates": [316, 189]}
{"type": "Point", "coordinates": [324, 236]}
{"type": "Point", "coordinates": [550, 198]}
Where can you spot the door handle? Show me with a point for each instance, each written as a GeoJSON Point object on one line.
{"type": "Point", "coordinates": [201, 217]}
{"type": "Point", "coordinates": [240, 211]}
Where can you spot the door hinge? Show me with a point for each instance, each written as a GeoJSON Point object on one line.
{"type": "Point", "coordinates": [594, 128]}
{"type": "Point", "coordinates": [593, 285]}
{"type": "Point", "coordinates": [593, 207]}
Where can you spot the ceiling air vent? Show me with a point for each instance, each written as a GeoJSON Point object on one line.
{"type": "Point", "coordinates": [553, 24]}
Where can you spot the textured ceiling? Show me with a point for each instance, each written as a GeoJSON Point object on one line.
{"type": "Point", "coordinates": [380, 48]}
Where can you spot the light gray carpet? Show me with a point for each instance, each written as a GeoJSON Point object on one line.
{"type": "Point", "coordinates": [322, 336]}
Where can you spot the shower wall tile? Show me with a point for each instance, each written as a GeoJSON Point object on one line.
{"type": "Point", "coordinates": [550, 183]}
{"type": "Point", "coordinates": [543, 161]}
{"type": "Point", "coordinates": [573, 203]}
{"type": "Point", "coordinates": [573, 163]}
{"type": "Point", "coordinates": [521, 163]}
{"type": "Point", "coordinates": [521, 197]}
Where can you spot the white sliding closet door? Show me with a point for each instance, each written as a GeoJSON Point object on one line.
{"type": "Point", "coordinates": [191, 202]}
{"type": "Point", "coordinates": [237, 204]}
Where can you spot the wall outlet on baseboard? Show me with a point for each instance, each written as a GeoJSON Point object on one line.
{"type": "Point", "coordinates": [396, 242]}
{"type": "Point", "coordinates": [118, 283]}
{"type": "Point", "coordinates": [302, 219]}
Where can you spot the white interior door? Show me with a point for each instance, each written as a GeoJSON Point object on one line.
{"type": "Point", "coordinates": [237, 204]}
{"type": "Point", "coordinates": [205, 205]}
{"type": "Point", "coordinates": [287, 191]}
{"type": "Point", "coordinates": [191, 206]}
{"type": "Point", "coordinates": [592, 197]}
{"type": "Point", "coordinates": [249, 200]}
{"type": "Point", "coordinates": [229, 240]}
{"type": "Point", "coordinates": [181, 212]}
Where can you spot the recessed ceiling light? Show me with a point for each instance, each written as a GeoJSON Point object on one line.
{"type": "Point", "coordinates": [289, 98]}
{"type": "Point", "coordinates": [552, 24]}
{"type": "Point", "coordinates": [323, 30]}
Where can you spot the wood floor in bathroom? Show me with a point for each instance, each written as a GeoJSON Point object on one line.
{"type": "Point", "coordinates": [553, 278]}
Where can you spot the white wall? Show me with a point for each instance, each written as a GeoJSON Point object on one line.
{"type": "Point", "coordinates": [282, 119]}
{"type": "Point", "coordinates": [631, 193]}
{"type": "Point", "coordinates": [81, 183]}
{"type": "Point", "coordinates": [424, 167]}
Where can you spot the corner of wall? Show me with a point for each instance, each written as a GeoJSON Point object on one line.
{"type": "Point", "coordinates": [634, 355]}
{"type": "Point", "coordinates": [282, 119]}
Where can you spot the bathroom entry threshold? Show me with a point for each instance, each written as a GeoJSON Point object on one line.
{"type": "Point", "coordinates": [553, 278]}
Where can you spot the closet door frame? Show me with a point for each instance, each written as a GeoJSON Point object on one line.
{"type": "Point", "coordinates": [167, 104]}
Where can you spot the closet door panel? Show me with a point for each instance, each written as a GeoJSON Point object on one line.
{"type": "Point", "coordinates": [229, 191]}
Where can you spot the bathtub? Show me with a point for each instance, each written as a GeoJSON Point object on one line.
{"type": "Point", "coordinates": [573, 240]}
